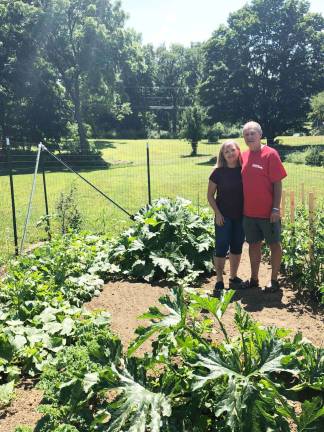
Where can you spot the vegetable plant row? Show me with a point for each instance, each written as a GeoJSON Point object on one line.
{"type": "Point", "coordinates": [90, 383]}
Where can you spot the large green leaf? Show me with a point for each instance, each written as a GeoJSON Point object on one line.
{"type": "Point", "coordinates": [137, 409]}
{"type": "Point", "coordinates": [162, 322]}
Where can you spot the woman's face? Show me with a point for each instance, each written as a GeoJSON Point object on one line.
{"type": "Point", "coordinates": [231, 154]}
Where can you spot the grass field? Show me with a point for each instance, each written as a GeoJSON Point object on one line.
{"type": "Point", "coordinates": [173, 173]}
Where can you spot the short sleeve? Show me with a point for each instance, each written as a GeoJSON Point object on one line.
{"type": "Point", "coordinates": [277, 171]}
{"type": "Point", "coordinates": [214, 176]}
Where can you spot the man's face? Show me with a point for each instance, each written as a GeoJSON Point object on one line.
{"type": "Point", "coordinates": [252, 138]}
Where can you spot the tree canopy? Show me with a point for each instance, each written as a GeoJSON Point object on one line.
{"type": "Point", "coordinates": [71, 67]}
{"type": "Point", "coordinates": [264, 65]}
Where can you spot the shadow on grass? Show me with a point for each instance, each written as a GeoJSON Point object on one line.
{"type": "Point", "coordinates": [104, 144]}
{"type": "Point", "coordinates": [194, 156]}
{"type": "Point", "coordinates": [211, 162]}
{"type": "Point", "coordinates": [25, 164]}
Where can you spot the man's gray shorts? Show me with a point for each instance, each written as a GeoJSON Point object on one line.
{"type": "Point", "coordinates": [257, 229]}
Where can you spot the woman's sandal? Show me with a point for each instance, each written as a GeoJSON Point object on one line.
{"type": "Point", "coordinates": [273, 286]}
{"type": "Point", "coordinates": [252, 283]}
{"type": "Point", "coordinates": [218, 289]}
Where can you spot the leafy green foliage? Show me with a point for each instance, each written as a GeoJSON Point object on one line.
{"type": "Point", "coordinates": [40, 295]}
{"type": "Point", "coordinates": [316, 115]}
{"type": "Point", "coordinates": [264, 49]}
{"type": "Point", "coordinates": [6, 393]}
{"type": "Point", "coordinates": [303, 250]}
{"type": "Point", "coordinates": [231, 385]}
{"type": "Point", "coordinates": [168, 241]}
{"type": "Point", "coordinates": [68, 213]}
{"type": "Point", "coordinates": [55, 271]}
{"type": "Point", "coordinates": [192, 126]}
{"type": "Point", "coordinates": [315, 157]}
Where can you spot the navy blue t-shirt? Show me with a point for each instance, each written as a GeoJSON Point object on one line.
{"type": "Point", "coordinates": [229, 197]}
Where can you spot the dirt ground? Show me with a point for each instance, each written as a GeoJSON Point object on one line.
{"type": "Point", "coordinates": [126, 301]}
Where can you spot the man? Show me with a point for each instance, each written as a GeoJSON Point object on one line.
{"type": "Point", "coordinates": [262, 173]}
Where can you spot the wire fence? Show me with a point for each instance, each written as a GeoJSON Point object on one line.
{"type": "Point", "coordinates": [131, 176]}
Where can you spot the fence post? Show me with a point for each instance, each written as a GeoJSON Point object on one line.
{"type": "Point", "coordinates": [45, 198]}
{"type": "Point", "coordinates": [292, 206]}
{"type": "Point", "coordinates": [12, 192]}
{"type": "Point", "coordinates": [303, 193]}
{"type": "Point", "coordinates": [148, 173]}
{"type": "Point", "coordinates": [311, 215]}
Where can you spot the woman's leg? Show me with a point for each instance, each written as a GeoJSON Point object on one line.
{"type": "Point", "coordinates": [236, 244]}
{"type": "Point", "coordinates": [219, 263]}
{"type": "Point", "coordinates": [222, 244]}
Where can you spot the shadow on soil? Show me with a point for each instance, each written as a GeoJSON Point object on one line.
{"type": "Point", "coordinates": [256, 299]}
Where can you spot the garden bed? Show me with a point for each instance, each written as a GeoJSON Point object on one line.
{"type": "Point", "coordinates": [126, 301]}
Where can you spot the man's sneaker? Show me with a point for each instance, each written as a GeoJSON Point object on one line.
{"type": "Point", "coordinates": [235, 283]}
{"type": "Point", "coordinates": [219, 287]}
{"type": "Point", "coordinates": [272, 286]}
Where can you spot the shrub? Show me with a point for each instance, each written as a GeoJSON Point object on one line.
{"type": "Point", "coordinates": [315, 156]}
{"type": "Point", "coordinates": [296, 157]}
{"type": "Point", "coordinates": [68, 214]}
{"type": "Point", "coordinates": [215, 132]}
{"type": "Point", "coordinates": [191, 126]}
{"type": "Point", "coordinates": [168, 241]}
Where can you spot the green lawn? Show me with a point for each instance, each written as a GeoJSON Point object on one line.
{"type": "Point", "coordinates": [173, 173]}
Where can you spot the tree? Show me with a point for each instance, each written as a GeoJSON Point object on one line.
{"type": "Point", "coordinates": [316, 114]}
{"type": "Point", "coordinates": [18, 50]}
{"type": "Point", "coordinates": [192, 126]}
{"type": "Point", "coordinates": [178, 70]}
{"type": "Point", "coordinates": [82, 44]}
{"type": "Point", "coordinates": [264, 65]}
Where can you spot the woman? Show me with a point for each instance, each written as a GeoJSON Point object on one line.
{"type": "Point", "coordinates": [226, 182]}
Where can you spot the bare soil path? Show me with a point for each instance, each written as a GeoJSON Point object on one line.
{"type": "Point", "coordinates": [126, 301]}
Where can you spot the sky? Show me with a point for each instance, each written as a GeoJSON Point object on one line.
{"type": "Point", "coordinates": [183, 21]}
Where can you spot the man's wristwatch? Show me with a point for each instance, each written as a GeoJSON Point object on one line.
{"type": "Point", "coordinates": [274, 209]}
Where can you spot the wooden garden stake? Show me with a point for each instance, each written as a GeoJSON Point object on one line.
{"type": "Point", "coordinates": [311, 207]}
{"type": "Point", "coordinates": [292, 206]}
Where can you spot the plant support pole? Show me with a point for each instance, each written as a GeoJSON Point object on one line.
{"type": "Point", "coordinates": [13, 207]}
{"type": "Point", "coordinates": [40, 146]}
{"type": "Point", "coordinates": [46, 200]}
{"type": "Point", "coordinates": [148, 173]}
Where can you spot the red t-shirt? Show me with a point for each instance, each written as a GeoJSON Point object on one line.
{"type": "Point", "coordinates": [260, 170]}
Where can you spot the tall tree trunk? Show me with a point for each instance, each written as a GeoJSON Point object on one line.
{"type": "Point", "coordinates": [84, 145]}
{"type": "Point", "coordinates": [194, 145]}
{"type": "Point", "coordinates": [270, 141]}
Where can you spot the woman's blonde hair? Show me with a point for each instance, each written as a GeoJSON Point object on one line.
{"type": "Point", "coordinates": [221, 161]}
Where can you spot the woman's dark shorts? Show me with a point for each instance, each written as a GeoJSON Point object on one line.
{"type": "Point", "coordinates": [229, 237]}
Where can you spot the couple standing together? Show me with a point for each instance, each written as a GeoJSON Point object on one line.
{"type": "Point", "coordinates": [248, 188]}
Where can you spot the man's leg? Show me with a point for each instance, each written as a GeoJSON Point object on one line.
{"type": "Point", "coordinates": [255, 259]}
{"type": "Point", "coordinates": [276, 253]}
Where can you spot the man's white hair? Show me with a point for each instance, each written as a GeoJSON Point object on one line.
{"type": "Point", "coordinates": [253, 124]}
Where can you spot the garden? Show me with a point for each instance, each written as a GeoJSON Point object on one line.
{"type": "Point", "coordinates": [71, 342]}
{"type": "Point", "coordinates": [107, 318]}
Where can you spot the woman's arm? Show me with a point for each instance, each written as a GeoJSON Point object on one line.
{"type": "Point", "coordinates": [212, 187]}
